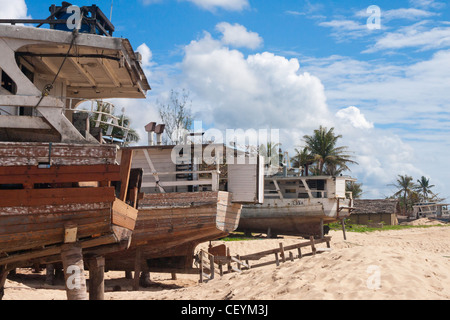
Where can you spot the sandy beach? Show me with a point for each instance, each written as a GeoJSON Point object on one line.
{"type": "Point", "coordinates": [408, 264]}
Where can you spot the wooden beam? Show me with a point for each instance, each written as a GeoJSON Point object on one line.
{"type": "Point", "coordinates": [55, 196]}
{"type": "Point", "coordinates": [58, 174]}
{"type": "Point", "coordinates": [124, 215]}
{"type": "Point", "coordinates": [84, 72]}
{"type": "Point", "coordinates": [109, 71]}
{"type": "Point", "coordinates": [125, 167]}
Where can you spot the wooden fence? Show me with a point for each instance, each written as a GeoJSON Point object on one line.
{"type": "Point", "coordinates": [208, 261]}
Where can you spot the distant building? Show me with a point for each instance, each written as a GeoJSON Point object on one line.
{"type": "Point", "coordinates": [375, 211]}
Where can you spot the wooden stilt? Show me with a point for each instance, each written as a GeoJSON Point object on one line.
{"type": "Point", "coordinates": [321, 229]}
{"type": "Point", "coordinates": [343, 228]}
{"type": "Point", "coordinates": [3, 275]}
{"type": "Point", "coordinates": [137, 268]}
{"type": "Point", "coordinates": [96, 278]}
{"type": "Point", "coordinates": [75, 281]}
{"type": "Point", "coordinates": [283, 257]}
{"type": "Point", "coordinates": [50, 274]}
{"type": "Point", "coordinates": [313, 247]}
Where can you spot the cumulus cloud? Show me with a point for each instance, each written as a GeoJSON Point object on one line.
{"type": "Point", "coordinates": [13, 9]}
{"type": "Point", "coordinates": [354, 116]}
{"type": "Point", "coordinates": [146, 54]}
{"type": "Point", "coordinates": [237, 35]}
{"type": "Point", "coordinates": [249, 92]}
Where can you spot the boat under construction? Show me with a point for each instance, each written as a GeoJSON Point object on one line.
{"type": "Point", "coordinates": [69, 198]}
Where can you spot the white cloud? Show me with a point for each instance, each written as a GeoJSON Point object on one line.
{"type": "Point", "coordinates": [402, 13]}
{"type": "Point", "coordinates": [147, 55]}
{"type": "Point", "coordinates": [260, 91]}
{"type": "Point", "coordinates": [354, 116]}
{"type": "Point", "coordinates": [344, 30]}
{"type": "Point", "coordinates": [230, 5]}
{"type": "Point", "coordinates": [415, 36]}
{"type": "Point", "coordinates": [427, 4]}
{"type": "Point", "coordinates": [237, 35]}
{"type": "Point", "coordinates": [16, 9]}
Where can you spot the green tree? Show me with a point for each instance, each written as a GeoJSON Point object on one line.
{"type": "Point", "coordinates": [303, 159]}
{"type": "Point", "coordinates": [405, 193]}
{"type": "Point", "coordinates": [329, 158]}
{"type": "Point", "coordinates": [271, 153]}
{"type": "Point", "coordinates": [354, 188]}
{"type": "Point", "coordinates": [423, 188]}
{"type": "Point", "coordinates": [122, 131]}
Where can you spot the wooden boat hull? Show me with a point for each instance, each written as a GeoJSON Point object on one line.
{"type": "Point", "coordinates": [171, 225]}
{"type": "Point", "coordinates": [305, 218]}
{"type": "Point", "coordinates": [38, 204]}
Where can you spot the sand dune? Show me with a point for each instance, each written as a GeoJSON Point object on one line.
{"type": "Point", "coordinates": [391, 265]}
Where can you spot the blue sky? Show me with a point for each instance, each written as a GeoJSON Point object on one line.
{"type": "Point", "coordinates": [295, 65]}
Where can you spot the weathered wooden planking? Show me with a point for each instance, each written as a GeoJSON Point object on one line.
{"type": "Point", "coordinates": [24, 154]}
{"type": "Point", "coordinates": [55, 196]}
{"type": "Point", "coordinates": [123, 215]}
{"type": "Point", "coordinates": [31, 223]}
{"type": "Point", "coordinates": [30, 240]}
{"type": "Point", "coordinates": [69, 209]}
{"type": "Point", "coordinates": [58, 174]}
{"type": "Point", "coordinates": [178, 199]}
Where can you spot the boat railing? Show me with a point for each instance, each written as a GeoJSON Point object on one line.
{"type": "Point", "coordinates": [213, 180]}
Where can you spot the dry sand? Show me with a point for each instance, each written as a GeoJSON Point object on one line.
{"type": "Point", "coordinates": [409, 264]}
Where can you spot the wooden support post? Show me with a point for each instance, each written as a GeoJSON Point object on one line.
{"type": "Point", "coordinates": [283, 257]}
{"type": "Point", "coordinates": [125, 166]}
{"type": "Point", "coordinates": [276, 259]}
{"type": "Point", "coordinates": [211, 267]}
{"type": "Point", "coordinates": [137, 268]}
{"type": "Point", "coordinates": [201, 267]}
{"type": "Point", "coordinates": [96, 278]}
{"type": "Point", "coordinates": [291, 256]}
{"type": "Point", "coordinates": [50, 274]}
{"type": "Point", "coordinates": [229, 260]}
{"type": "Point", "coordinates": [3, 275]}
{"type": "Point", "coordinates": [174, 276]}
{"type": "Point", "coordinates": [300, 255]}
{"type": "Point", "coordinates": [128, 275]}
{"type": "Point", "coordinates": [321, 229]}
{"type": "Point", "coordinates": [313, 247]}
{"type": "Point", "coordinates": [75, 281]}
{"type": "Point", "coordinates": [343, 228]}
{"type": "Point", "coordinates": [221, 270]}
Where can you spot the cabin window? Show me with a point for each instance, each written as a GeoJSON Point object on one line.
{"type": "Point", "coordinates": [290, 191]}
{"type": "Point", "coordinates": [316, 184]}
{"type": "Point", "coordinates": [303, 195]}
{"type": "Point", "coordinates": [8, 83]}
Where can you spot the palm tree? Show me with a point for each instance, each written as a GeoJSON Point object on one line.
{"type": "Point", "coordinates": [322, 147]}
{"type": "Point", "coordinates": [129, 135]}
{"type": "Point", "coordinates": [405, 188]}
{"type": "Point", "coordinates": [424, 188]}
{"type": "Point", "coordinates": [302, 159]}
{"type": "Point", "coordinates": [271, 152]}
{"type": "Point", "coordinates": [354, 188]}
